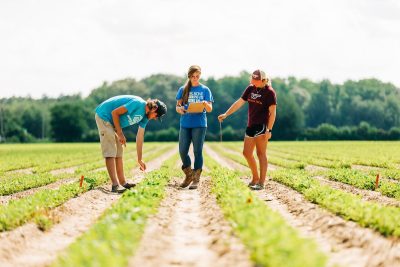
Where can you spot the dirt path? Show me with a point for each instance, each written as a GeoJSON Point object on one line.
{"type": "Point", "coordinates": [70, 170]}
{"type": "Point", "coordinates": [345, 243]}
{"type": "Point", "coordinates": [22, 171]}
{"type": "Point", "coordinates": [365, 168]}
{"type": "Point", "coordinates": [189, 230]}
{"type": "Point", "coordinates": [315, 168]}
{"type": "Point", "coordinates": [28, 246]}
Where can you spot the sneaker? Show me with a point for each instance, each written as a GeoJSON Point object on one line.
{"type": "Point", "coordinates": [116, 189]}
{"type": "Point", "coordinates": [129, 185]}
{"type": "Point", "coordinates": [251, 184]}
{"type": "Point", "coordinates": [257, 187]}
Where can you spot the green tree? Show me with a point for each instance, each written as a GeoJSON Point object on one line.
{"type": "Point", "coordinates": [68, 121]}
{"type": "Point", "coordinates": [289, 121]}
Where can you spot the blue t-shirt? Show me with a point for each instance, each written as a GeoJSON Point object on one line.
{"type": "Point", "coordinates": [135, 105]}
{"type": "Point", "coordinates": [197, 94]}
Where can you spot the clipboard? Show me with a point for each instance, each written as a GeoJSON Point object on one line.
{"type": "Point", "coordinates": [195, 107]}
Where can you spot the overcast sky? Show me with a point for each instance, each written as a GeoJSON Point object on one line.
{"type": "Point", "coordinates": [64, 47]}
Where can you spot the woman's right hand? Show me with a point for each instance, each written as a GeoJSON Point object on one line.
{"type": "Point", "coordinates": [222, 117]}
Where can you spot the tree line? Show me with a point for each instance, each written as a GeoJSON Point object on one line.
{"type": "Point", "coordinates": [367, 109]}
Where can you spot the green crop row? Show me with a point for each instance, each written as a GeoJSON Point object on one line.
{"type": "Point", "coordinates": [117, 234]}
{"type": "Point", "coordinates": [364, 181]}
{"type": "Point", "coordinates": [392, 173]}
{"type": "Point", "coordinates": [384, 219]}
{"type": "Point", "coordinates": [269, 239]}
{"type": "Point", "coordinates": [292, 160]}
{"type": "Point", "coordinates": [46, 157]}
{"type": "Point", "coordinates": [385, 154]}
{"type": "Point", "coordinates": [22, 182]}
{"type": "Point", "coordinates": [287, 163]}
{"type": "Point", "coordinates": [17, 156]}
{"type": "Point", "coordinates": [310, 159]}
{"type": "Point", "coordinates": [233, 155]}
{"type": "Point", "coordinates": [18, 212]}
{"type": "Point", "coordinates": [17, 182]}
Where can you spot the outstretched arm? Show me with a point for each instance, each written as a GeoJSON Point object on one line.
{"type": "Point", "coordinates": [139, 147]}
{"type": "Point", "coordinates": [232, 109]}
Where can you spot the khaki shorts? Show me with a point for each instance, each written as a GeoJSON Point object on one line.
{"type": "Point", "coordinates": [110, 145]}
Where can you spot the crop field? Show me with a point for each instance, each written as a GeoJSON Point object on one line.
{"type": "Point", "coordinates": [324, 204]}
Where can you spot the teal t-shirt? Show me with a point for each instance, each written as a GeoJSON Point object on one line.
{"type": "Point", "coordinates": [197, 94]}
{"type": "Point", "coordinates": [135, 105]}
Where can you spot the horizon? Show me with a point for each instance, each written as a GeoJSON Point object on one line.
{"type": "Point", "coordinates": [183, 76]}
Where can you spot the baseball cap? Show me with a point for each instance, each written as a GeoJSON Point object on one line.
{"type": "Point", "coordinates": [161, 109]}
{"type": "Point", "coordinates": [258, 75]}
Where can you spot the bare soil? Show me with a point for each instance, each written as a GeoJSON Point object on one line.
{"type": "Point", "coordinates": [70, 170]}
{"type": "Point", "coordinates": [315, 168]}
{"type": "Point", "coordinates": [22, 171]}
{"type": "Point", "coordinates": [365, 168]}
{"type": "Point", "coordinates": [189, 230]}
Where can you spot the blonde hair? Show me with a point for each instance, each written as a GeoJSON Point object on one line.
{"type": "Point", "coordinates": [262, 74]}
{"type": "Point", "coordinates": [188, 84]}
{"type": "Point", "coordinates": [268, 78]}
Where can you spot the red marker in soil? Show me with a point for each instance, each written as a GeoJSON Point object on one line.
{"type": "Point", "coordinates": [80, 183]}
{"type": "Point", "coordinates": [377, 181]}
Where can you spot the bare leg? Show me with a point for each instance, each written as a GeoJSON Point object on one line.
{"type": "Point", "coordinates": [120, 170]}
{"type": "Point", "coordinates": [261, 145]}
{"type": "Point", "coordinates": [248, 148]}
{"type": "Point", "coordinates": [110, 164]}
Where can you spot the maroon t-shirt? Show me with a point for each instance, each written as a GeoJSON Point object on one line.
{"type": "Point", "coordinates": [259, 99]}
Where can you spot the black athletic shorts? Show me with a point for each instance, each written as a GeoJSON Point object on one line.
{"type": "Point", "coordinates": [255, 130]}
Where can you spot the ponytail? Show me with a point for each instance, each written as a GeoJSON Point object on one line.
{"type": "Point", "coordinates": [188, 84]}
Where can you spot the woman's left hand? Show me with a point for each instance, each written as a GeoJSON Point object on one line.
{"type": "Point", "coordinates": [268, 136]}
